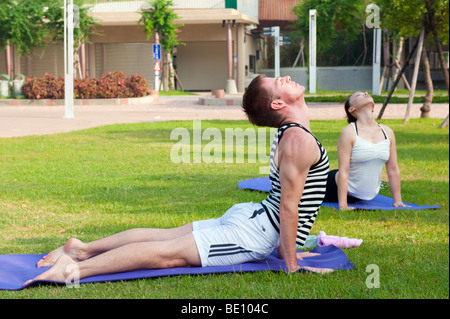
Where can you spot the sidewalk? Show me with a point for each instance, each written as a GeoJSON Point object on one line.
{"type": "Point", "coordinates": [18, 121]}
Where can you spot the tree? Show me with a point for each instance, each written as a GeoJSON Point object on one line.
{"type": "Point", "coordinates": [159, 19]}
{"type": "Point", "coordinates": [84, 28]}
{"type": "Point", "coordinates": [22, 23]}
{"type": "Point", "coordinates": [406, 17]}
{"type": "Point", "coordinates": [29, 24]}
{"type": "Point", "coordinates": [338, 21]}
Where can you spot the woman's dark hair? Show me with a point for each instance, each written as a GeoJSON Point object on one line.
{"type": "Point", "coordinates": [256, 104]}
{"type": "Point", "coordinates": [350, 117]}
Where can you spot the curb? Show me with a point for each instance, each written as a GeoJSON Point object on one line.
{"type": "Point", "coordinates": [85, 102]}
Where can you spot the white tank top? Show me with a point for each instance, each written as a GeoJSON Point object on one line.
{"type": "Point", "coordinates": [366, 164]}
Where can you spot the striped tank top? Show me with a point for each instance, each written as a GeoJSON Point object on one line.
{"type": "Point", "coordinates": [313, 193]}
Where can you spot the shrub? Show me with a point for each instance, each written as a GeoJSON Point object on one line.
{"type": "Point", "coordinates": [138, 85]}
{"type": "Point", "coordinates": [47, 87]}
{"type": "Point", "coordinates": [85, 88]}
{"type": "Point", "coordinates": [110, 85]}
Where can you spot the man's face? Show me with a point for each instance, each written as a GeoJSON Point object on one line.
{"type": "Point", "coordinates": [284, 89]}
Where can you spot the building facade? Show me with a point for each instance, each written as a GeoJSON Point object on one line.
{"type": "Point", "coordinates": [202, 63]}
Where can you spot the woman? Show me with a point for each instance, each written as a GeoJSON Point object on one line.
{"type": "Point", "coordinates": [364, 147]}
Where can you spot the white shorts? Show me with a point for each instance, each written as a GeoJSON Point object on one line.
{"type": "Point", "coordinates": [244, 233]}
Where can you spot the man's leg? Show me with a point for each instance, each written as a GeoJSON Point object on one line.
{"type": "Point", "coordinates": [80, 251]}
{"type": "Point", "coordinates": [178, 252]}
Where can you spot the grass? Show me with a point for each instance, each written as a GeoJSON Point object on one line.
{"type": "Point", "coordinates": [175, 93]}
{"type": "Point", "coordinates": [97, 182]}
{"type": "Point", "coordinates": [399, 96]}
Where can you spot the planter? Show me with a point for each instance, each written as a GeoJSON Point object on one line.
{"type": "Point", "coordinates": [218, 94]}
{"type": "Point", "coordinates": [17, 85]}
{"type": "Point", "coordinates": [4, 86]}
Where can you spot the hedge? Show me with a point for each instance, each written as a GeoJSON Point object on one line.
{"type": "Point", "coordinates": [110, 85]}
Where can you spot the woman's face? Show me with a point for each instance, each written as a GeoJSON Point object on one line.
{"type": "Point", "coordinates": [360, 99]}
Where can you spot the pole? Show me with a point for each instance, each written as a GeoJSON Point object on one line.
{"type": "Point", "coordinates": [8, 60]}
{"type": "Point", "coordinates": [68, 77]}
{"type": "Point", "coordinates": [276, 34]}
{"type": "Point", "coordinates": [415, 74]}
{"type": "Point", "coordinates": [156, 72]}
{"type": "Point", "coordinates": [376, 64]}
{"type": "Point", "coordinates": [312, 51]}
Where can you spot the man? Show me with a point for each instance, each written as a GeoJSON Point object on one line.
{"type": "Point", "coordinates": [246, 232]}
{"type": "Point", "coordinates": [298, 166]}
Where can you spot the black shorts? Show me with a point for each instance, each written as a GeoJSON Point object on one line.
{"type": "Point", "coordinates": [331, 195]}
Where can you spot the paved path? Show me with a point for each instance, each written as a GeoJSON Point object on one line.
{"type": "Point", "coordinates": [37, 120]}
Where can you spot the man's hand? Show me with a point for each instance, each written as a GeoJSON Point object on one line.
{"type": "Point", "coordinates": [346, 207]}
{"type": "Point", "coordinates": [400, 204]}
{"type": "Point", "coordinates": [293, 268]}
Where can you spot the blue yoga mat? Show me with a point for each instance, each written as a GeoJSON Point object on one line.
{"type": "Point", "coordinates": [17, 269]}
{"type": "Point", "coordinates": [379, 202]}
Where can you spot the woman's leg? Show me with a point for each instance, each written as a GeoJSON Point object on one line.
{"type": "Point", "coordinates": [79, 251]}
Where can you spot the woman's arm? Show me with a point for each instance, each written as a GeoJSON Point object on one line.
{"type": "Point", "coordinates": [344, 149]}
{"type": "Point", "coordinates": [393, 171]}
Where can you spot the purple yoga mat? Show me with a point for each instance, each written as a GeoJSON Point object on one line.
{"type": "Point", "coordinates": [17, 269]}
{"type": "Point", "coordinates": [380, 202]}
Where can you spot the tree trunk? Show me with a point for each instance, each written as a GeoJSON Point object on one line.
{"type": "Point", "coordinates": [364, 53]}
{"type": "Point", "coordinates": [171, 72]}
{"type": "Point", "coordinates": [77, 65]}
{"type": "Point", "coordinates": [398, 59]}
{"type": "Point", "coordinates": [444, 123]}
{"type": "Point", "coordinates": [426, 107]}
{"type": "Point", "coordinates": [431, 15]}
{"type": "Point", "coordinates": [442, 59]}
{"type": "Point", "coordinates": [410, 55]}
{"type": "Point", "coordinates": [434, 30]}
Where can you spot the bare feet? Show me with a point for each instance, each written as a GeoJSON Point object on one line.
{"type": "Point", "coordinates": [60, 271]}
{"type": "Point", "coordinates": [72, 248]}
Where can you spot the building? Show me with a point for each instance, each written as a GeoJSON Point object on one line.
{"type": "Point", "coordinates": [202, 63]}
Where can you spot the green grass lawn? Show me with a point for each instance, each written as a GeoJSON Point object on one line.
{"type": "Point", "coordinates": [97, 182]}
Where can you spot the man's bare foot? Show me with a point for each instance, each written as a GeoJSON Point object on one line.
{"type": "Point", "coordinates": [59, 272]}
{"type": "Point", "coordinates": [72, 248]}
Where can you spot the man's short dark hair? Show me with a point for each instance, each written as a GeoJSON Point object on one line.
{"type": "Point", "coordinates": [256, 104]}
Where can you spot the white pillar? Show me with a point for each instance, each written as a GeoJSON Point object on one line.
{"type": "Point", "coordinates": [68, 59]}
{"type": "Point", "coordinates": [376, 64]}
{"type": "Point", "coordinates": [312, 51]}
{"type": "Point", "coordinates": [231, 87]}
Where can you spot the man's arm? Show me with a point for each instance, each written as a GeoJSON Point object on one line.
{"type": "Point", "coordinates": [297, 152]}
